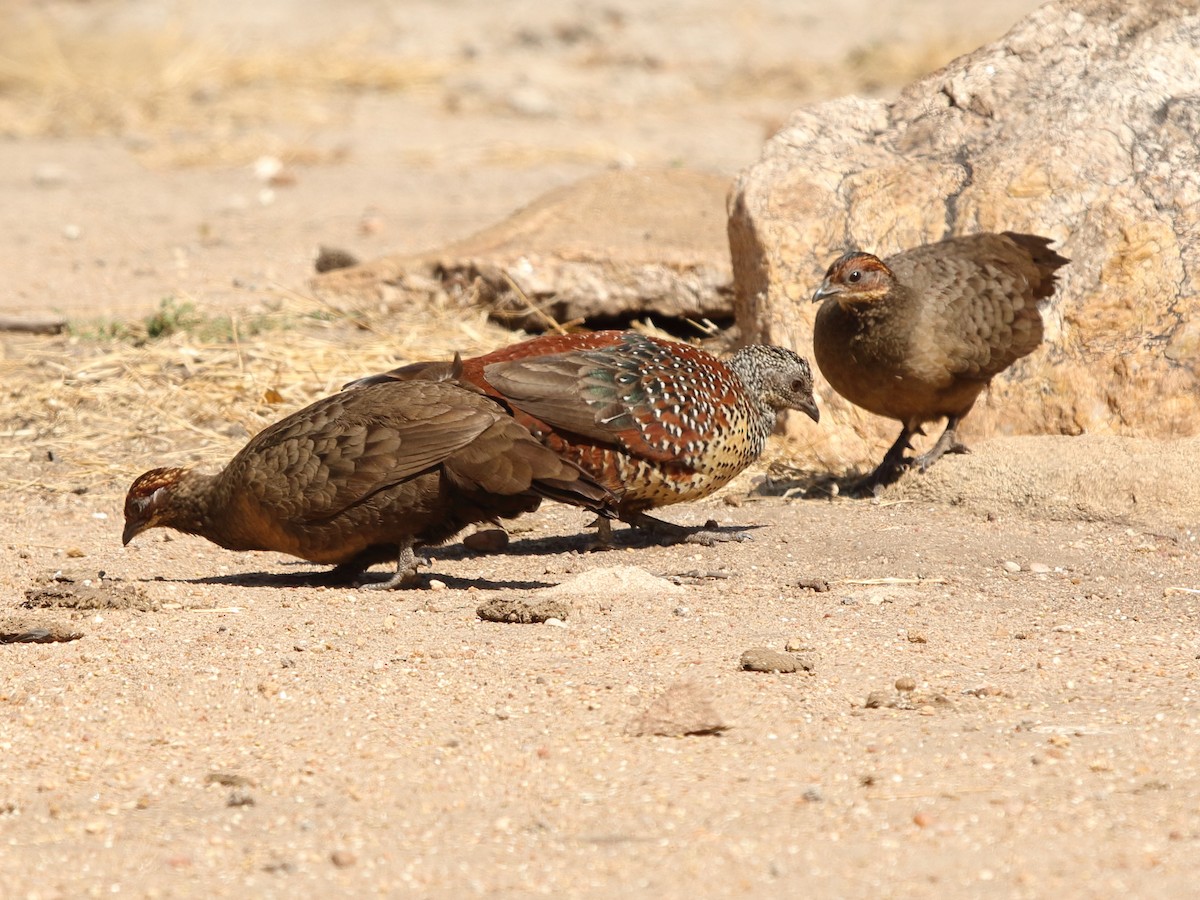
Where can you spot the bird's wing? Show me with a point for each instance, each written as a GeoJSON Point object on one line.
{"type": "Point", "coordinates": [979, 305]}
{"type": "Point", "coordinates": [346, 448]}
{"type": "Point", "coordinates": [637, 398]}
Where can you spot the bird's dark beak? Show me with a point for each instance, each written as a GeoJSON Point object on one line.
{"type": "Point", "coordinates": [825, 290]}
{"type": "Point", "coordinates": [809, 408]}
{"type": "Point", "coordinates": [132, 530]}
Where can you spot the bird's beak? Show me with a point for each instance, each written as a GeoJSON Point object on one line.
{"type": "Point", "coordinates": [825, 290]}
{"type": "Point", "coordinates": [809, 408]}
{"type": "Point", "coordinates": [132, 530]}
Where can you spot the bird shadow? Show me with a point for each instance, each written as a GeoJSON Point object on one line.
{"type": "Point", "coordinates": [628, 538]}
{"type": "Point", "coordinates": [623, 539]}
{"type": "Point", "coordinates": [316, 579]}
{"type": "Point", "coordinates": [855, 485]}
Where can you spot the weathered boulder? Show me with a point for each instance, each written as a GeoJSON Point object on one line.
{"type": "Point", "coordinates": [630, 243]}
{"type": "Point", "coordinates": [1082, 124]}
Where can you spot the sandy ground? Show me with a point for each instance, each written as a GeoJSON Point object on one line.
{"type": "Point", "coordinates": [988, 702]}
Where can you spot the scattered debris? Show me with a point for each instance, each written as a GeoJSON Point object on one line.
{"type": "Point", "coordinates": [522, 611]}
{"type": "Point", "coordinates": [90, 593]}
{"type": "Point", "coordinates": [906, 696]}
{"type": "Point", "coordinates": [695, 576]}
{"type": "Point", "coordinates": [20, 630]}
{"type": "Point", "coordinates": [818, 585]}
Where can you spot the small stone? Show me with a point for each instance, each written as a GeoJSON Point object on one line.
{"type": "Point", "coordinates": [436, 585]}
{"type": "Point", "coordinates": [906, 684]}
{"type": "Point", "coordinates": [922, 820]}
{"type": "Point", "coordinates": [878, 700]}
{"type": "Point", "coordinates": [817, 585]}
{"type": "Point", "coordinates": [493, 540]}
{"type": "Point", "coordinates": [763, 659]}
{"type": "Point", "coordinates": [813, 795]}
{"type": "Point", "coordinates": [1010, 566]}
{"type": "Point", "coordinates": [75, 553]}
{"type": "Point", "coordinates": [331, 258]}
{"type": "Point", "coordinates": [916, 637]}
{"type": "Point", "coordinates": [239, 798]}
{"type": "Point", "coordinates": [1038, 568]}
{"type": "Point", "coordinates": [343, 859]}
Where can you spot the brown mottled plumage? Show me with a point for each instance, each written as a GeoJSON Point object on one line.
{"type": "Point", "coordinates": [654, 421]}
{"type": "Point", "coordinates": [365, 476]}
{"type": "Point", "coordinates": [919, 335]}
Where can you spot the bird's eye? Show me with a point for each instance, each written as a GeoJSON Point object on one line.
{"type": "Point", "coordinates": [797, 386]}
{"type": "Point", "coordinates": [854, 277]}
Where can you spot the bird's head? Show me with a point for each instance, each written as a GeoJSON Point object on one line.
{"type": "Point", "coordinates": [856, 278]}
{"type": "Point", "coordinates": [778, 377]}
{"type": "Point", "coordinates": [148, 503]}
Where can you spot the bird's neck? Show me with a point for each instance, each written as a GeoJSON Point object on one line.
{"type": "Point", "coordinates": [194, 504]}
{"type": "Point", "coordinates": [749, 373]}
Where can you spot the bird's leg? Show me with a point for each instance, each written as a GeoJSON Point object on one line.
{"type": "Point", "coordinates": [891, 467]}
{"type": "Point", "coordinates": [603, 538]}
{"type": "Point", "coordinates": [947, 443]}
{"type": "Point", "coordinates": [405, 575]}
{"type": "Point", "coordinates": [668, 533]}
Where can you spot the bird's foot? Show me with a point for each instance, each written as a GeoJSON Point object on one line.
{"type": "Point", "coordinates": [405, 575]}
{"type": "Point", "coordinates": [885, 474]}
{"type": "Point", "coordinates": [948, 442]}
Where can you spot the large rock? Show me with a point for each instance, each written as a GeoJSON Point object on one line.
{"type": "Point", "coordinates": [1082, 124]}
{"type": "Point", "coordinates": [622, 244]}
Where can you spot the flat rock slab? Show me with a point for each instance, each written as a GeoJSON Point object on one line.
{"type": "Point", "coordinates": [629, 243]}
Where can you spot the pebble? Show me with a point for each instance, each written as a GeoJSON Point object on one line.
{"type": "Point", "coordinates": [1010, 566]}
{"type": "Point", "coordinates": [343, 859]}
{"type": "Point", "coordinates": [906, 684]}
{"type": "Point", "coordinates": [1039, 568]}
{"type": "Point", "coordinates": [493, 540]}
{"type": "Point", "coordinates": [878, 700]}
{"type": "Point", "coordinates": [763, 659]}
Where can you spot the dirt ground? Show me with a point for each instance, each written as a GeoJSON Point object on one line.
{"type": "Point", "coordinates": [995, 691]}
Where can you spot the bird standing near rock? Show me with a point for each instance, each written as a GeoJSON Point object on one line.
{"type": "Point", "coordinates": [918, 336]}
{"type": "Point", "coordinates": [365, 476]}
{"type": "Point", "coordinates": [654, 421]}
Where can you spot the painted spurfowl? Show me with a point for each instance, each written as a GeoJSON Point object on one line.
{"type": "Point", "coordinates": [365, 476]}
{"type": "Point", "coordinates": [919, 335]}
{"type": "Point", "coordinates": [654, 421]}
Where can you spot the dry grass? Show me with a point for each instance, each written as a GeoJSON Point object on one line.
{"type": "Point", "coordinates": [85, 411]}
